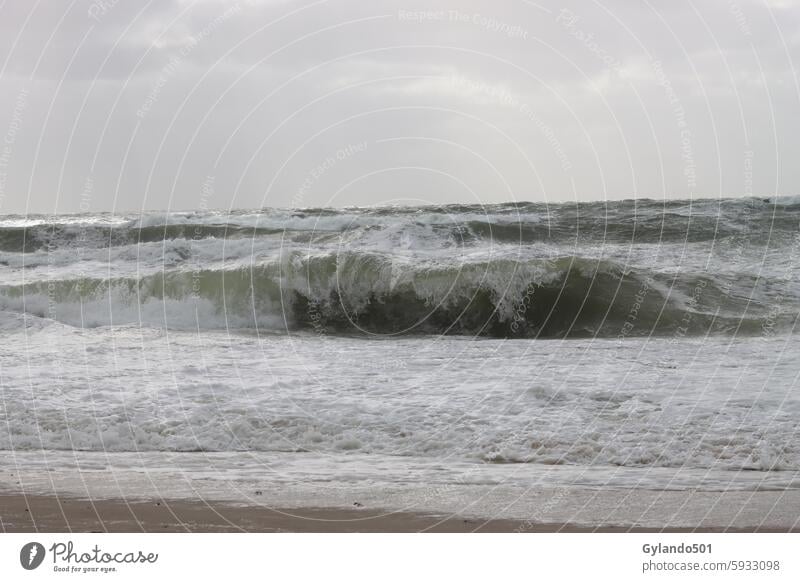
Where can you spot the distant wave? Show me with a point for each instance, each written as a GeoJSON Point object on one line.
{"type": "Point", "coordinates": [632, 221]}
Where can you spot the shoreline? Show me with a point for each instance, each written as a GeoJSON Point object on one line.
{"type": "Point", "coordinates": [50, 514]}
{"type": "Point", "coordinates": [127, 492]}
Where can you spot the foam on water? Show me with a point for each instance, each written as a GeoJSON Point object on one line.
{"type": "Point", "coordinates": [653, 404]}
{"type": "Point", "coordinates": [526, 270]}
{"type": "Point", "coordinates": [361, 333]}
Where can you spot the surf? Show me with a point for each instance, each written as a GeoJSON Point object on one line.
{"type": "Point", "coordinates": [522, 270]}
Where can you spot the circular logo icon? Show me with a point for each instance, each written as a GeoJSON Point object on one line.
{"type": "Point", "coordinates": [31, 555]}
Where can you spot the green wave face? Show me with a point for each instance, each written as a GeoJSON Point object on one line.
{"type": "Point", "coordinates": [356, 293]}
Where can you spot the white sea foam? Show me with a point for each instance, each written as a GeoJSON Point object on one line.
{"type": "Point", "coordinates": [126, 336]}
{"type": "Point", "coordinates": [576, 403]}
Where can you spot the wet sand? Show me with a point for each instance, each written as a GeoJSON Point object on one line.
{"type": "Point", "coordinates": [50, 514]}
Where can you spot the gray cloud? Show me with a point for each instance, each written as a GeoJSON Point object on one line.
{"type": "Point", "coordinates": [468, 101]}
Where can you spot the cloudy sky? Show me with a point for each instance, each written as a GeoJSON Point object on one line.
{"type": "Point", "coordinates": [122, 105]}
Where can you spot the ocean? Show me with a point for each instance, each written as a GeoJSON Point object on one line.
{"type": "Point", "coordinates": [442, 359]}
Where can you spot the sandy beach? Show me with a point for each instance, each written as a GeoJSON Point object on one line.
{"type": "Point", "coordinates": [85, 492]}
{"type": "Point", "coordinates": [39, 513]}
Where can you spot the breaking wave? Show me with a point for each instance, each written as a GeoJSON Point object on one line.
{"type": "Point", "coordinates": [630, 268]}
{"type": "Point", "coordinates": [371, 294]}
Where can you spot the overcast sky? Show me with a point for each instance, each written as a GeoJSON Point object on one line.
{"type": "Point", "coordinates": [122, 105]}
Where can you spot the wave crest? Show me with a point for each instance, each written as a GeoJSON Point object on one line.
{"type": "Point", "coordinates": [379, 294]}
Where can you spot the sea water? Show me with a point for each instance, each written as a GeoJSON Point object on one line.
{"type": "Point", "coordinates": [420, 358]}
